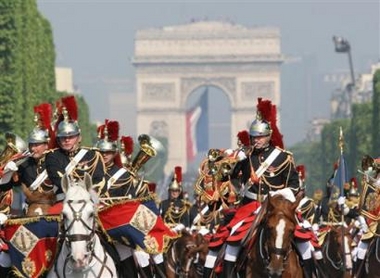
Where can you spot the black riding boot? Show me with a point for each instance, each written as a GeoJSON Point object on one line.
{"type": "Point", "coordinates": [229, 270]}
{"type": "Point", "coordinates": [4, 271]}
{"type": "Point", "coordinates": [207, 272]}
{"type": "Point", "coordinates": [319, 267]}
{"type": "Point", "coordinates": [127, 268]}
{"type": "Point", "coordinates": [308, 268]}
{"type": "Point", "coordinates": [160, 270]}
{"type": "Point", "coordinates": [146, 272]}
{"type": "Point", "coordinates": [359, 269]}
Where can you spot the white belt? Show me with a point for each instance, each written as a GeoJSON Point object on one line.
{"type": "Point", "coordinates": [264, 166]}
{"type": "Point", "coordinates": [74, 162]}
{"type": "Point", "coordinates": [252, 195]}
{"type": "Point", "coordinates": [39, 180]}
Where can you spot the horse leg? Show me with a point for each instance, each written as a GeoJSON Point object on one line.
{"type": "Point", "coordinates": [229, 270]}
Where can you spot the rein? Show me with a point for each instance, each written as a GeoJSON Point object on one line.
{"type": "Point", "coordinates": [176, 265]}
{"type": "Point", "coordinates": [265, 251]}
{"type": "Point", "coordinates": [338, 264]}
{"type": "Point", "coordinates": [90, 239]}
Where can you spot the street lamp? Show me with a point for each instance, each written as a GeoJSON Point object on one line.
{"type": "Point", "coordinates": [343, 46]}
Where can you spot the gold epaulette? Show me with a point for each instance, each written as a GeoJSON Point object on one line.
{"type": "Point", "coordinates": [285, 151]}
{"type": "Point", "coordinates": [50, 150]}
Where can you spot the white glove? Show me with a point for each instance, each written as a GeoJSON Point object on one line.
{"type": "Point", "coordinates": [179, 227]}
{"type": "Point", "coordinates": [341, 200]}
{"type": "Point", "coordinates": [315, 227]}
{"type": "Point", "coordinates": [3, 218]}
{"type": "Point", "coordinates": [363, 224]}
{"type": "Point", "coordinates": [10, 166]}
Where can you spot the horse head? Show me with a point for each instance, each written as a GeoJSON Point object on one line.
{"type": "Point", "coordinates": [79, 217]}
{"type": "Point", "coordinates": [279, 225]}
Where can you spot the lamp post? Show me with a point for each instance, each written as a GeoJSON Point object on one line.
{"type": "Point", "coordinates": [343, 46]}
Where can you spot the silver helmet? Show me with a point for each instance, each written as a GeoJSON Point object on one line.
{"type": "Point", "coordinates": [260, 128]}
{"type": "Point", "coordinates": [108, 135]}
{"type": "Point", "coordinates": [104, 145]}
{"type": "Point", "coordinates": [38, 136]}
{"type": "Point", "coordinates": [67, 127]}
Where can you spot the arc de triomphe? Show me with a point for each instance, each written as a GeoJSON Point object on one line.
{"type": "Point", "coordinates": [173, 61]}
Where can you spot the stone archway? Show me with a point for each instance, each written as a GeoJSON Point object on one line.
{"type": "Point", "coordinates": [173, 61]}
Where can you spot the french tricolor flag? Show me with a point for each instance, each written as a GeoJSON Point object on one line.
{"type": "Point", "coordinates": [197, 127]}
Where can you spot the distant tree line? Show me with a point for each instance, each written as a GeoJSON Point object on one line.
{"type": "Point", "coordinates": [27, 69]}
{"type": "Point", "coordinates": [361, 136]}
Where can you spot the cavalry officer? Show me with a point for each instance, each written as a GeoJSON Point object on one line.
{"type": "Point", "coordinates": [71, 158]}
{"type": "Point", "coordinates": [267, 168]}
{"type": "Point", "coordinates": [175, 210]}
{"type": "Point", "coordinates": [118, 183]}
{"type": "Point", "coordinates": [31, 172]}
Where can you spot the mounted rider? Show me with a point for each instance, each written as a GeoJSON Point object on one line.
{"type": "Point", "coordinates": [70, 157]}
{"type": "Point", "coordinates": [175, 209]}
{"type": "Point", "coordinates": [267, 168]}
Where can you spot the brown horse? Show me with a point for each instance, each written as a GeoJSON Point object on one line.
{"type": "Point", "coordinates": [39, 201]}
{"type": "Point", "coordinates": [272, 253]}
{"type": "Point", "coordinates": [336, 249]}
{"type": "Point", "coordinates": [372, 261]}
{"type": "Point", "coordinates": [186, 256]}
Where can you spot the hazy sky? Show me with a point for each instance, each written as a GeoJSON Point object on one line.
{"type": "Point", "coordinates": [96, 39]}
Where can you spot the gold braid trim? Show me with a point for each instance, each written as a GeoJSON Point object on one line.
{"type": "Point", "coordinates": [278, 170]}
{"type": "Point", "coordinates": [174, 217]}
{"type": "Point", "coordinates": [32, 219]}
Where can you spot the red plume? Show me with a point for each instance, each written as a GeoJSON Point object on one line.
{"type": "Point", "coordinates": [301, 171]}
{"type": "Point", "coordinates": [268, 112]}
{"type": "Point", "coordinates": [244, 137]}
{"type": "Point", "coordinates": [71, 106]}
{"type": "Point", "coordinates": [152, 187]}
{"type": "Point", "coordinates": [127, 141]}
{"type": "Point", "coordinates": [354, 182]}
{"type": "Point", "coordinates": [265, 109]}
{"type": "Point", "coordinates": [100, 131]}
{"type": "Point", "coordinates": [117, 160]}
{"type": "Point", "coordinates": [178, 174]}
{"type": "Point", "coordinates": [113, 130]}
{"type": "Point", "coordinates": [44, 112]}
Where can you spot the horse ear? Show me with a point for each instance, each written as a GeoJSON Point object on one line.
{"type": "Point", "coordinates": [65, 182]}
{"type": "Point", "coordinates": [87, 181]}
{"type": "Point", "coordinates": [299, 196]}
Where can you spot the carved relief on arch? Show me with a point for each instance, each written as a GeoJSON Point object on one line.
{"type": "Point", "coordinates": [253, 90]}
{"type": "Point", "coordinates": [226, 84]}
{"type": "Point", "coordinates": [159, 129]}
{"type": "Point", "coordinates": [158, 92]}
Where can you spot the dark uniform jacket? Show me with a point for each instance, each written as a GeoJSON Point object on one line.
{"type": "Point", "coordinates": [57, 160]}
{"type": "Point", "coordinates": [27, 173]}
{"type": "Point", "coordinates": [123, 186]}
{"type": "Point", "coordinates": [175, 211]}
{"type": "Point", "coordinates": [280, 174]}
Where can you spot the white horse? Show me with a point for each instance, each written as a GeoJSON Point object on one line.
{"type": "Point", "coordinates": [81, 254]}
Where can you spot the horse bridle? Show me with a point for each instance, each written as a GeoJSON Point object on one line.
{"type": "Point", "coordinates": [265, 251]}
{"type": "Point", "coordinates": [88, 238]}
{"type": "Point", "coordinates": [335, 264]}
{"type": "Point", "coordinates": [176, 266]}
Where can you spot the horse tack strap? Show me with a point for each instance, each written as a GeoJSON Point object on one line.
{"type": "Point", "coordinates": [115, 177]}
{"type": "Point", "coordinates": [74, 162]}
{"type": "Point", "coordinates": [39, 180]}
{"type": "Point", "coordinates": [264, 166]}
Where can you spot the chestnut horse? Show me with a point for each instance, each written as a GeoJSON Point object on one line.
{"type": "Point", "coordinates": [271, 249]}
{"type": "Point", "coordinates": [336, 249]}
{"type": "Point", "coordinates": [39, 201]}
{"type": "Point", "coordinates": [186, 256]}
